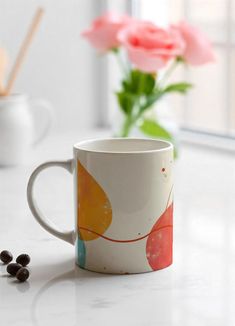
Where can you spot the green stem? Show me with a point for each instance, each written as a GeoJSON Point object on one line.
{"type": "Point", "coordinates": [168, 72]}
{"type": "Point", "coordinates": [121, 63]}
{"type": "Point", "coordinates": [127, 125]}
{"type": "Point", "coordinates": [129, 122]}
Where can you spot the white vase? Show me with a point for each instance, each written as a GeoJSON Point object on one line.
{"type": "Point", "coordinates": [17, 128]}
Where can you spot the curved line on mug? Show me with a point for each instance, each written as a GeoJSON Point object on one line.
{"type": "Point", "coordinates": [131, 240]}
{"type": "Point", "coordinates": [125, 241]}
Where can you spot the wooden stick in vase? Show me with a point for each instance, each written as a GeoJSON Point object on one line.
{"type": "Point", "coordinates": [23, 50]}
{"type": "Point", "coordinates": [3, 66]}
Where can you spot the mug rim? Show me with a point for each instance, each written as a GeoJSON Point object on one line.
{"type": "Point", "coordinates": [79, 146]}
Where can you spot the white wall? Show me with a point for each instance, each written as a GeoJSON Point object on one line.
{"type": "Point", "coordinates": [60, 64]}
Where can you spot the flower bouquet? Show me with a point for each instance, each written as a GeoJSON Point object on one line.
{"type": "Point", "coordinates": [148, 55]}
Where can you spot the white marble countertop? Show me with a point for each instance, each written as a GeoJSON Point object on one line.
{"type": "Point", "coordinates": [197, 290]}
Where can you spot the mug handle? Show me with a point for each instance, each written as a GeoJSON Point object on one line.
{"type": "Point", "coordinates": [68, 236]}
{"type": "Point", "coordinates": [46, 106]}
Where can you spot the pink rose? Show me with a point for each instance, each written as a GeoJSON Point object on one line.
{"type": "Point", "coordinates": [103, 32]}
{"type": "Point", "coordinates": [149, 47]}
{"type": "Point", "coordinates": [198, 49]}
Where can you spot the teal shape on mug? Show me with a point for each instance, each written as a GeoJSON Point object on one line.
{"type": "Point", "coordinates": [81, 253]}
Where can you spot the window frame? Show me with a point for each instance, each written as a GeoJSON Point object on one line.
{"type": "Point", "coordinates": [226, 46]}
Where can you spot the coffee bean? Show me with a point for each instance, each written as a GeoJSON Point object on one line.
{"type": "Point", "coordinates": [23, 259]}
{"type": "Point", "coordinates": [23, 274]}
{"type": "Point", "coordinates": [13, 268]}
{"type": "Point", "coordinates": [6, 256]}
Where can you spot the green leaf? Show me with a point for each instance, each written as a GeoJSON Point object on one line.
{"type": "Point", "coordinates": [126, 85]}
{"type": "Point", "coordinates": [180, 59]}
{"type": "Point", "coordinates": [135, 80]}
{"type": "Point", "coordinates": [115, 50]}
{"type": "Point", "coordinates": [150, 100]}
{"type": "Point", "coordinates": [139, 83]}
{"type": "Point", "coordinates": [154, 129]}
{"type": "Point", "coordinates": [178, 87]}
{"type": "Point", "coordinates": [149, 84]}
{"type": "Point", "coordinates": [126, 101]}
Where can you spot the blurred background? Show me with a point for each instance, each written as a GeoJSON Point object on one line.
{"type": "Point", "coordinates": [64, 69]}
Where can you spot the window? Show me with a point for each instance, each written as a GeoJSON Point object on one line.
{"type": "Point", "coordinates": [210, 105]}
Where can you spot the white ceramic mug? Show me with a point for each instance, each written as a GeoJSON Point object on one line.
{"type": "Point", "coordinates": [123, 204]}
{"type": "Point", "coordinates": [17, 128]}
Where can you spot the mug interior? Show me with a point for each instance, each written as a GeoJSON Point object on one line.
{"type": "Point", "coordinates": [124, 145]}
